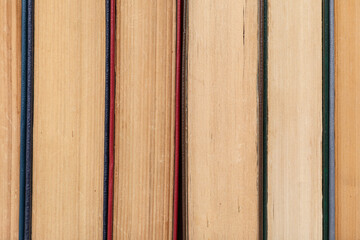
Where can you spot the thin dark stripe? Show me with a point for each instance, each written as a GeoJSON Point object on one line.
{"type": "Point", "coordinates": [23, 117]}
{"type": "Point", "coordinates": [261, 116]}
{"type": "Point", "coordinates": [29, 120]}
{"type": "Point", "coordinates": [184, 233]}
{"type": "Point", "coordinates": [107, 107]}
{"type": "Point", "coordinates": [325, 117]}
{"type": "Point", "coordinates": [111, 118]}
{"type": "Point", "coordinates": [177, 116]}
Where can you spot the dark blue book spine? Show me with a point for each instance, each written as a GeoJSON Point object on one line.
{"type": "Point", "coordinates": [107, 114]}
{"type": "Point", "coordinates": [23, 116]}
{"type": "Point", "coordinates": [29, 119]}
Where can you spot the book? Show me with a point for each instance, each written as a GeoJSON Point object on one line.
{"type": "Point", "coordinates": [10, 101]}
{"type": "Point", "coordinates": [221, 120]}
{"type": "Point", "coordinates": [144, 119]}
{"type": "Point", "coordinates": [177, 120]}
{"type": "Point", "coordinates": [294, 120]}
{"type": "Point", "coordinates": [68, 130]}
{"type": "Point", "coordinates": [347, 119]}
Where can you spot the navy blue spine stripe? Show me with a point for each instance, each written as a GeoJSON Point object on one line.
{"type": "Point", "coordinates": [23, 116]}
{"type": "Point", "coordinates": [29, 119]}
{"type": "Point", "coordinates": [107, 115]}
{"type": "Point", "coordinates": [325, 116]}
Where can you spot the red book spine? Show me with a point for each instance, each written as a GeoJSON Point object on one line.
{"type": "Point", "coordinates": [177, 116]}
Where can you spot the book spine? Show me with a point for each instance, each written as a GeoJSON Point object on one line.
{"type": "Point", "coordinates": [177, 114]}
{"type": "Point", "coordinates": [106, 124]}
{"type": "Point", "coordinates": [23, 116]}
{"type": "Point", "coordinates": [29, 119]}
{"type": "Point", "coordinates": [111, 118]}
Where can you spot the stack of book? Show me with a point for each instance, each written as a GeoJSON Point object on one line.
{"type": "Point", "coordinates": [179, 119]}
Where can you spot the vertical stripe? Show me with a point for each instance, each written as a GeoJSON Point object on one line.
{"type": "Point", "coordinates": [29, 120]}
{"type": "Point", "coordinates": [184, 124]}
{"type": "Point", "coordinates": [111, 118]}
{"type": "Point", "coordinates": [177, 116]}
{"type": "Point", "coordinates": [106, 134]}
{"type": "Point", "coordinates": [23, 117]}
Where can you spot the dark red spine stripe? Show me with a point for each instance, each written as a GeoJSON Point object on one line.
{"type": "Point", "coordinates": [112, 119]}
{"type": "Point", "coordinates": [177, 117]}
